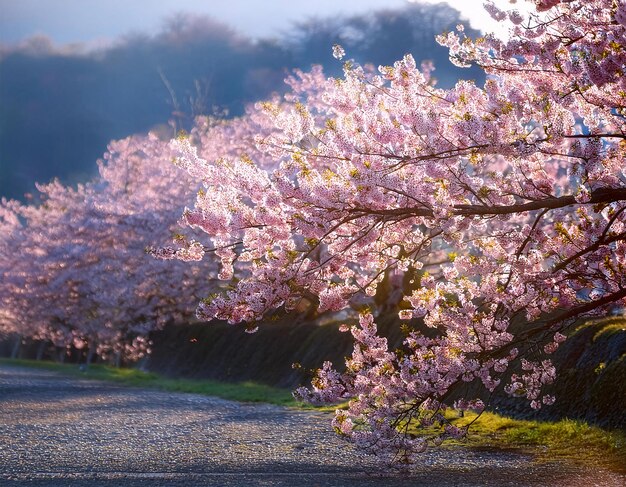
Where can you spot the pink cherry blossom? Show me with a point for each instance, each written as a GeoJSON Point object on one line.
{"type": "Point", "coordinates": [498, 211]}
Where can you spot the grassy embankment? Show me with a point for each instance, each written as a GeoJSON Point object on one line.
{"type": "Point", "coordinates": [565, 440]}
{"type": "Point", "coordinates": [568, 440]}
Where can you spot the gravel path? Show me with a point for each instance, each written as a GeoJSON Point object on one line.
{"type": "Point", "coordinates": [60, 431]}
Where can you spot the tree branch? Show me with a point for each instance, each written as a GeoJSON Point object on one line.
{"type": "Point", "coordinates": [603, 195]}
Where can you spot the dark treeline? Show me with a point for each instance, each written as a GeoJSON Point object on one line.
{"type": "Point", "coordinates": [59, 109]}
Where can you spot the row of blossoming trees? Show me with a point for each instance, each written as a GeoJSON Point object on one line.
{"type": "Point", "coordinates": [75, 271]}
{"type": "Point", "coordinates": [498, 212]}
{"type": "Point", "coordinates": [75, 262]}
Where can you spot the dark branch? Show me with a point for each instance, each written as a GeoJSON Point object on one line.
{"type": "Point", "coordinates": [603, 195]}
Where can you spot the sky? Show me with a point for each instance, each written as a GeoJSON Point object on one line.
{"type": "Point", "coordinates": [99, 22]}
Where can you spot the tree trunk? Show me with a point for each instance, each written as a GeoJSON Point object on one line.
{"type": "Point", "coordinates": [118, 359]}
{"type": "Point", "coordinates": [91, 353]}
{"type": "Point", "coordinates": [144, 363]}
{"type": "Point", "coordinates": [16, 347]}
{"type": "Point", "coordinates": [61, 355]}
{"type": "Point", "coordinates": [41, 349]}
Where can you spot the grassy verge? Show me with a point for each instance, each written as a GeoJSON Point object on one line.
{"type": "Point", "coordinates": [568, 440]}
{"type": "Point", "coordinates": [244, 392]}
{"type": "Point", "coordinates": [547, 441]}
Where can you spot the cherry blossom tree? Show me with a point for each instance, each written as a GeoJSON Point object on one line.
{"type": "Point", "coordinates": [29, 292]}
{"type": "Point", "coordinates": [502, 208]}
{"type": "Point", "coordinates": [75, 268]}
{"type": "Point", "coordinates": [12, 322]}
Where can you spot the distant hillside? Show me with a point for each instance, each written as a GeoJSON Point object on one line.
{"type": "Point", "coordinates": [59, 109]}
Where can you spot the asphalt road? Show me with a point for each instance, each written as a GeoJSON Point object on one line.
{"type": "Point", "coordinates": [60, 431]}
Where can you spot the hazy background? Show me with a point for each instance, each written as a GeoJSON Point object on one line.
{"type": "Point", "coordinates": [75, 74]}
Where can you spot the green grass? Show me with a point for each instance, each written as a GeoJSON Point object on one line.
{"type": "Point", "coordinates": [567, 439]}
{"type": "Point", "coordinates": [563, 440]}
{"type": "Point", "coordinates": [244, 392]}
{"type": "Point", "coordinates": [609, 326]}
